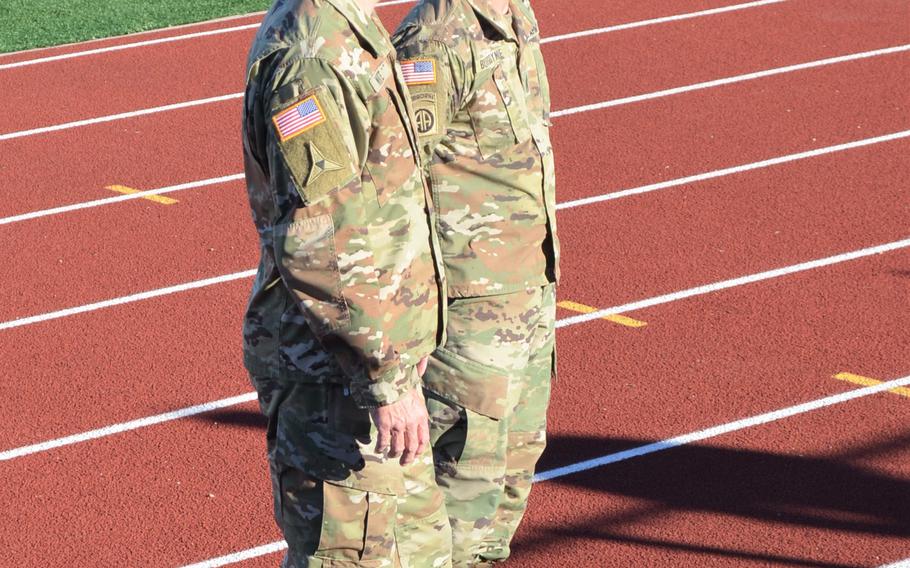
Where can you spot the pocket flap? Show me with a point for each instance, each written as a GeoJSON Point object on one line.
{"type": "Point", "coordinates": [477, 387]}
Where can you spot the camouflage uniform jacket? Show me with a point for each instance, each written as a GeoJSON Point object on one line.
{"type": "Point", "coordinates": [348, 284]}
{"type": "Point", "coordinates": [482, 104]}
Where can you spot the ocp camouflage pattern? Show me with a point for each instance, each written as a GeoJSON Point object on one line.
{"type": "Point", "coordinates": [348, 283]}
{"type": "Point", "coordinates": [483, 126]}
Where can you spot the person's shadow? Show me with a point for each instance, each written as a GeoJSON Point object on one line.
{"type": "Point", "coordinates": [832, 492]}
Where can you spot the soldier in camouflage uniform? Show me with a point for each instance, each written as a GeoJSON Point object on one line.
{"type": "Point", "coordinates": [345, 305]}
{"type": "Point", "coordinates": [481, 101]}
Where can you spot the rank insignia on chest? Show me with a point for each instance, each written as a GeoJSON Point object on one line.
{"type": "Point", "coordinates": [298, 118]}
{"type": "Point", "coordinates": [419, 71]}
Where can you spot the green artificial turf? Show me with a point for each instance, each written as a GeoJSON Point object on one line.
{"type": "Point", "coordinates": [37, 23]}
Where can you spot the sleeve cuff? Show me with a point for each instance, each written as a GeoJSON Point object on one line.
{"type": "Point", "coordinates": [386, 388]}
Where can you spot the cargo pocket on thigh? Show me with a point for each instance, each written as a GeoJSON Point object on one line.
{"type": "Point", "coordinates": [358, 528]}
{"type": "Point", "coordinates": [475, 386]}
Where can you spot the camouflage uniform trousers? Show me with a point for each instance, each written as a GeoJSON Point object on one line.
{"type": "Point", "coordinates": [486, 465]}
{"type": "Point", "coordinates": [338, 502]}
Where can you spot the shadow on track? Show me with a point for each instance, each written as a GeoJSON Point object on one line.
{"type": "Point", "coordinates": [828, 492]}
{"type": "Point", "coordinates": [245, 419]}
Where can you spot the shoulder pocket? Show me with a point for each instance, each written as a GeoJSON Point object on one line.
{"type": "Point", "coordinates": [310, 131]}
{"type": "Point", "coordinates": [309, 265]}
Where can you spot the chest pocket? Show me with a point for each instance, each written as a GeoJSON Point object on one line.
{"type": "Point", "coordinates": [390, 156]}
{"type": "Point", "coordinates": [498, 115]}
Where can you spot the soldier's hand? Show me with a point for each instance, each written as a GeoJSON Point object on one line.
{"type": "Point", "coordinates": [403, 427]}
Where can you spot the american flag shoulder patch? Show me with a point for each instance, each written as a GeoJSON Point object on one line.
{"type": "Point", "coordinates": [419, 71]}
{"type": "Point", "coordinates": [298, 118]}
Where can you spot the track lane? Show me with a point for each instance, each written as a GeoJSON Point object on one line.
{"type": "Point", "coordinates": [691, 51]}
{"type": "Point", "coordinates": [138, 245]}
{"type": "Point", "coordinates": [671, 241]}
{"type": "Point", "coordinates": [146, 494]}
{"type": "Point", "coordinates": [126, 80]}
{"type": "Point", "coordinates": [789, 494]}
{"type": "Point", "coordinates": [123, 148]}
{"type": "Point", "coordinates": [658, 396]}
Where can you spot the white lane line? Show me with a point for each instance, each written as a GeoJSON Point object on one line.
{"type": "Point", "coordinates": [567, 205]}
{"type": "Point", "coordinates": [730, 171]}
{"type": "Point", "coordinates": [119, 116]}
{"type": "Point", "coordinates": [662, 20]}
{"type": "Point", "coordinates": [736, 79]}
{"type": "Point", "coordinates": [242, 555]}
{"type": "Point", "coordinates": [177, 106]}
{"type": "Point", "coordinates": [722, 429]}
{"type": "Point", "coordinates": [625, 455]}
{"type": "Point", "coordinates": [157, 41]}
{"type": "Point", "coordinates": [734, 282]}
{"type": "Point", "coordinates": [570, 204]}
{"type": "Point", "coordinates": [666, 298]}
{"type": "Point", "coordinates": [119, 198]}
{"type": "Point", "coordinates": [128, 299]}
{"type": "Point", "coordinates": [110, 48]}
{"type": "Point", "coordinates": [127, 426]}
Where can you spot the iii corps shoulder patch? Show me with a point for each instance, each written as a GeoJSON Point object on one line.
{"type": "Point", "coordinates": [419, 71]}
{"type": "Point", "coordinates": [310, 139]}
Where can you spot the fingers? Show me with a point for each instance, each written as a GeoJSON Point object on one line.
{"type": "Point", "coordinates": [402, 428]}
{"type": "Point", "coordinates": [398, 446]}
{"type": "Point", "coordinates": [411, 445]}
{"type": "Point", "coordinates": [423, 435]}
{"type": "Point", "coordinates": [422, 365]}
{"type": "Point", "coordinates": [383, 438]}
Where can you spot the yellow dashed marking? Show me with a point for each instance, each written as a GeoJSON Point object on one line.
{"type": "Point", "coordinates": [621, 320]}
{"type": "Point", "coordinates": [867, 382]}
{"type": "Point", "coordinates": [156, 198]}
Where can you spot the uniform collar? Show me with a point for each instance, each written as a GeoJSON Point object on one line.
{"type": "Point", "coordinates": [499, 22]}
{"type": "Point", "coordinates": [365, 26]}
{"type": "Point", "coordinates": [524, 22]}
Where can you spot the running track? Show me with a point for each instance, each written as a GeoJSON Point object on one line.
{"type": "Point", "coordinates": [696, 155]}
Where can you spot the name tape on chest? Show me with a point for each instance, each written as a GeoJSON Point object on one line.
{"type": "Point", "coordinates": [491, 59]}
{"type": "Point", "coordinates": [419, 71]}
{"type": "Point", "coordinates": [378, 78]}
{"type": "Point", "coordinates": [297, 119]}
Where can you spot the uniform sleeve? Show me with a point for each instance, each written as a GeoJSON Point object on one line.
{"type": "Point", "coordinates": [438, 87]}
{"type": "Point", "coordinates": [318, 130]}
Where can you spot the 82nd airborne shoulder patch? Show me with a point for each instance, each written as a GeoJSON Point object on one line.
{"type": "Point", "coordinates": [426, 115]}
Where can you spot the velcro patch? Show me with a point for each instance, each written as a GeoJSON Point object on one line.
{"type": "Point", "coordinates": [318, 159]}
{"type": "Point", "coordinates": [298, 118]}
{"type": "Point", "coordinates": [419, 71]}
{"type": "Point", "coordinates": [426, 115]}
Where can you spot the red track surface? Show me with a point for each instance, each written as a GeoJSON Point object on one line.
{"type": "Point", "coordinates": [828, 488]}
